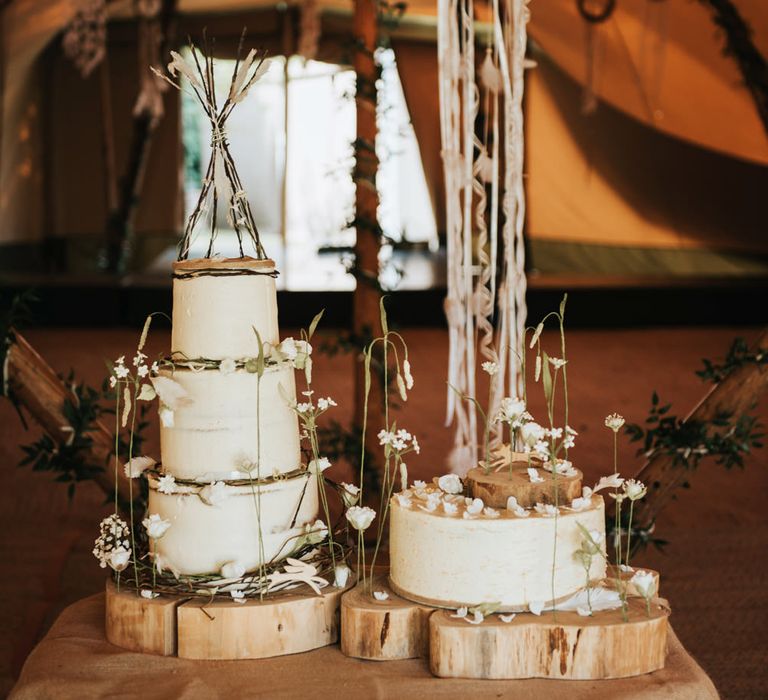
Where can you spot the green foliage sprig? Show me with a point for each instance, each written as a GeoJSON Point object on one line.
{"type": "Point", "coordinates": [725, 438]}
{"type": "Point", "coordinates": [739, 355]}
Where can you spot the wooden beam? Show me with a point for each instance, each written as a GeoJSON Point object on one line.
{"type": "Point", "coordinates": [367, 242]}
{"type": "Point", "coordinates": [38, 389]}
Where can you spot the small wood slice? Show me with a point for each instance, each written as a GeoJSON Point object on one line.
{"type": "Point", "coordinates": [192, 628]}
{"type": "Point", "coordinates": [496, 487]}
{"type": "Point", "coordinates": [384, 630]}
{"type": "Point", "coordinates": [140, 624]}
{"type": "Point", "coordinates": [256, 629]}
{"type": "Point", "coordinates": [565, 645]}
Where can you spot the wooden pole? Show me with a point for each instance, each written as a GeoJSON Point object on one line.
{"type": "Point", "coordinates": [39, 390]}
{"type": "Point", "coordinates": [366, 321]}
{"type": "Point", "coordinates": [120, 218]}
{"type": "Point", "coordinates": [735, 394]}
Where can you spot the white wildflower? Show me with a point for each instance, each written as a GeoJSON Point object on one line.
{"type": "Point", "coordinates": [155, 526]}
{"type": "Point", "coordinates": [121, 372]}
{"type": "Point", "coordinates": [534, 476]}
{"type": "Point", "coordinates": [507, 618]}
{"type": "Point", "coordinates": [142, 371]}
{"type": "Point", "coordinates": [304, 407]}
{"type": "Point", "coordinates": [171, 393]}
{"type": "Point", "coordinates": [136, 466]}
{"type": "Point", "coordinates": [450, 508]}
{"type": "Point", "coordinates": [360, 517]}
{"type": "Point", "coordinates": [645, 583]}
{"type": "Point", "coordinates": [475, 507]}
{"type": "Point", "coordinates": [326, 403]}
{"type": "Point", "coordinates": [419, 484]}
{"type": "Point", "coordinates": [166, 484]}
{"type": "Point", "coordinates": [557, 363]}
{"type": "Point", "coordinates": [461, 612]}
{"type": "Point", "coordinates": [237, 596]}
{"type": "Point", "coordinates": [381, 595]}
{"type": "Point", "coordinates": [318, 466]}
{"type": "Point", "coordinates": [614, 421]}
{"type": "Point", "coordinates": [613, 481]}
{"type": "Point", "coordinates": [531, 433]}
{"type": "Point", "coordinates": [350, 493]}
{"type": "Point", "coordinates": [216, 493]}
{"type": "Point", "coordinates": [341, 575]}
{"type": "Point", "coordinates": [227, 365]}
{"type": "Point", "coordinates": [516, 508]}
{"type": "Point", "coordinates": [490, 367]}
{"type": "Point", "coordinates": [511, 410]}
{"type": "Point", "coordinates": [233, 569]}
{"type": "Point", "coordinates": [635, 490]}
{"type": "Point", "coordinates": [536, 606]}
{"type": "Point", "coordinates": [316, 532]}
{"type": "Point", "coordinates": [145, 593]}
{"type": "Point", "coordinates": [118, 558]}
{"type": "Point", "coordinates": [490, 512]}
{"type": "Point", "coordinates": [546, 509]}
{"type": "Point", "coordinates": [450, 483]}
{"type": "Point", "coordinates": [403, 500]}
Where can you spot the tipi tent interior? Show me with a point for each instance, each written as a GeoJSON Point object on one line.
{"type": "Point", "coordinates": [645, 165]}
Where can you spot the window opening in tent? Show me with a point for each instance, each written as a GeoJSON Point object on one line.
{"type": "Point", "coordinates": [292, 142]}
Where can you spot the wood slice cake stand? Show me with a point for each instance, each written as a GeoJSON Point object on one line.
{"type": "Point", "coordinates": [561, 645]}
{"type": "Point", "coordinates": [193, 628]}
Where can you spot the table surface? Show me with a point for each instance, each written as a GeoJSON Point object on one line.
{"type": "Point", "coordinates": [74, 660]}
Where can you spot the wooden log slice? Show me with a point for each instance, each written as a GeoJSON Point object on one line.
{"type": "Point", "coordinates": [565, 645]}
{"type": "Point", "coordinates": [386, 630]}
{"type": "Point", "coordinates": [495, 487]}
{"type": "Point", "coordinates": [140, 624]}
{"type": "Point", "coordinates": [287, 624]}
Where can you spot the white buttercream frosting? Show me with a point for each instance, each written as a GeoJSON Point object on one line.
{"type": "Point", "coordinates": [469, 557]}
{"type": "Point", "coordinates": [203, 538]}
{"type": "Point", "coordinates": [214, 317]}
{"type": "Point", "coordinates": [230, 423]}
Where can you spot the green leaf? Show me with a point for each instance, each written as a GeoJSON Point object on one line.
{"type": "Point", "coordinates": [313, 325]}
{"type": "Point", "coordinates": [260, 360]}
{"type": "Point", "coordinates": [562, 306]}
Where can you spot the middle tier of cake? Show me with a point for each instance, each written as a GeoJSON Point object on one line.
{"type": "Point", "coordinates": [449, 551]}
{"type": "Point", "coordinates": [231, 425]}
{"type": "Point", "coordinates": [218, 524]}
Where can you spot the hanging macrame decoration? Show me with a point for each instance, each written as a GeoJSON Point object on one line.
{"type": "Point", "coordinates": [85, 38]}
{"type": "Point", "coordinates": [221, 186]}
{"type": "Point", "coordinates": [485, 209]}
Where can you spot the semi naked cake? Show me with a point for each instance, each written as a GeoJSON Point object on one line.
{"type": "Point", "coordinates": [231, 482]}
{"type": "Point", "coordinates": [449, 547]}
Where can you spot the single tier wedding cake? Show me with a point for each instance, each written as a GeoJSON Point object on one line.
{"type": "Point", "coordinates": [231, 484]}
{"type": "Point", "coordinates": [452, 549]}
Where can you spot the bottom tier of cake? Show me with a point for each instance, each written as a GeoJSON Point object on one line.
{"type": "Point", "coordinates": [217, 524]}
{"type": "Point", "coordinates": [453, 556]}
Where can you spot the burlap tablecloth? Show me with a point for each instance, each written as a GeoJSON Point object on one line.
{"type": "Point", "coordinates": [74, 660]}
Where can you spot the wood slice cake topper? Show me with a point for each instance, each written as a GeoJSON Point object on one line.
{"type": "Point", "coordinates": [495, 487]}
{"type": "Point", "coordinates": [193, 628]}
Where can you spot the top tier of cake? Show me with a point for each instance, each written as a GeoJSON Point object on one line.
{"type": "Point", "coordinates": [219, 303]}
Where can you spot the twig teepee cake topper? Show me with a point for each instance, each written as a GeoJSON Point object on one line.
{"type": "Point", "coordinates": [221, 184]}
